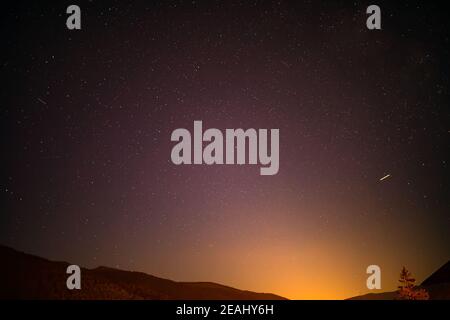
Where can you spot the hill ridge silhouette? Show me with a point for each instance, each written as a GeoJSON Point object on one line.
{"type": "Point", "coordinates": [440, 276]}
{"type": "Point", "coordinates": [27, 276]}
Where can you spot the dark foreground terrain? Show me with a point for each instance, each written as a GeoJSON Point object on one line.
{"type": "Point", "coordinates": [24, 276]}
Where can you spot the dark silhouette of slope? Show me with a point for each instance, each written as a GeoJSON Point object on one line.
{"type": "Point", "coordinates": [24, 276]}
{"type": "Point", "coordinates": [437, 285]}
{"type": "Point", "coordinates": [440, 276]}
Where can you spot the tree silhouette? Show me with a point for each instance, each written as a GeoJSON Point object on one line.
{"type": "Point", "coordinates": [408, 289]}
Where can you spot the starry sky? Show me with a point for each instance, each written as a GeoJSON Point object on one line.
{"type": "Point", "coordinates": [86, 119]}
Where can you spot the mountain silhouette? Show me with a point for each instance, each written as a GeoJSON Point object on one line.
{"type": "Point", "coordinates": [440, 276]}
{"type": "Point", "coordinates": [24, 276]}
{"type": "Point", "coordinates": [437, 285]}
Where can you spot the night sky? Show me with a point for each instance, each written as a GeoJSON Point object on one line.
{"type": "Point", "coordinates": [86, 120]}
